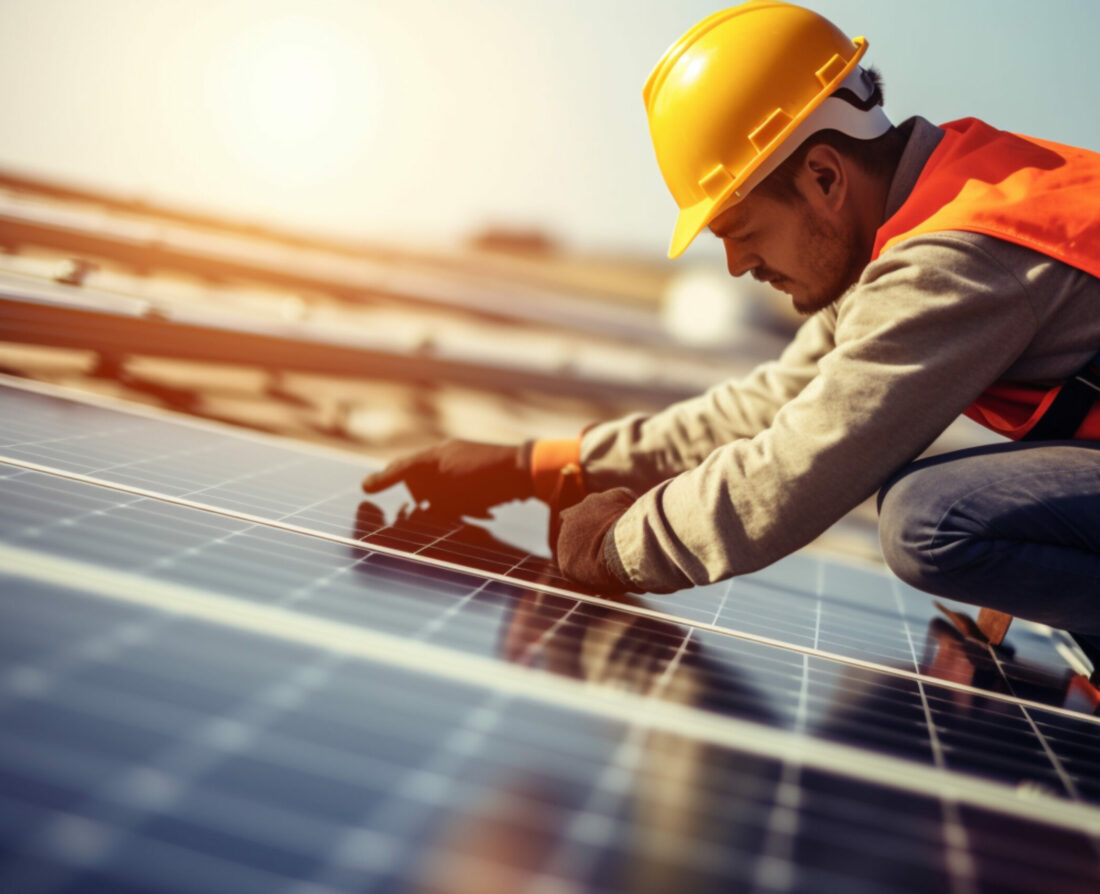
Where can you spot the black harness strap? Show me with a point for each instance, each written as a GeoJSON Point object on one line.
{"type": "Point", "coordinates": [1069, 409]}
{"type": "Point", "coordinates": [852, 98]}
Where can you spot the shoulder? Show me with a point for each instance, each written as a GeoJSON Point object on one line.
{"type": "Point", "coordinates": [941, 276]}
{"type": "Point", "coordinates": [966, 263]}
{"type": "Point", "coordinates": [958, 263]}
{"type": "Point", "coordinates": [954, 252]}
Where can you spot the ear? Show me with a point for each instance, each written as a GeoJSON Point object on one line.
{"type": "Point", "coordinates": [825, 177]}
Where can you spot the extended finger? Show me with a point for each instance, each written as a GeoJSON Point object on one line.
{"type": "Point", "coordinates": [394, 473]}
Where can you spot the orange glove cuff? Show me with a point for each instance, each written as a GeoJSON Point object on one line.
{"type": "Point", "coordinates": [552, 458]}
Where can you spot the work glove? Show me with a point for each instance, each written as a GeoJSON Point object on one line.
{"type": "Point", "coordinates": [460, 477]}
{"type": "Point", "coordinates": [581, 549]}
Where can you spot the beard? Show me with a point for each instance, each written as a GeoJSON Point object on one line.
{"type": "Point", "coordinates": [831, 258]}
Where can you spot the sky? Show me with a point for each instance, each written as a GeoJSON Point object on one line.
{"type": "Point", "coordinates": [422, 121]}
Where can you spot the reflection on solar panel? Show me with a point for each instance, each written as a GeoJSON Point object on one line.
{"type": "Point", "coordinates": [222, 671]}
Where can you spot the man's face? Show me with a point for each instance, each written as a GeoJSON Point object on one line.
{"type": "Point", "coordinates": [793, 244]}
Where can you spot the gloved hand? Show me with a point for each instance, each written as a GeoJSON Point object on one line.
{"type": "Point", "coordinates": [460, 477]}
{"type": "Point", "coordinates": [581, 541]}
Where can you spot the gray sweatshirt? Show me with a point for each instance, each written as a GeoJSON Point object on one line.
{"type": "Point", "coordinates": [756, 468]}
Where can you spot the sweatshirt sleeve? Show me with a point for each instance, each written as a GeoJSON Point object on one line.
{"type": "Point", "coordinates": [641, 451]}
{"type": "Point", "coordinates": [927, 328]}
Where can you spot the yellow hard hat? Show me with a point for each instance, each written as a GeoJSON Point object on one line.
{"type": "Point", "coordinates": [734, 90]}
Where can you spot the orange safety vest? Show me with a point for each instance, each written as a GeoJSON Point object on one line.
{"type": "Point", "coordinates": [1035, 193]}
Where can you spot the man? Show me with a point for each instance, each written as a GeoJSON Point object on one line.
{"type": "Point", "coordinates": [945, 270]}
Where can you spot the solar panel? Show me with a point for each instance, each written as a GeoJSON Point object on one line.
{"type": "Point", "coordinates": [222, 672]}
{"type": "Point", "coordinates": [868, 618]}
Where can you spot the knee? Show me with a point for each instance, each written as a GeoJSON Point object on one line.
{"type": "Point", "coordinates": [920, 543]}
{"type": "Point", "coordinates": [900, 523]}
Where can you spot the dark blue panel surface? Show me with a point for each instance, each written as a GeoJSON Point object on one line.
{"type": "Point", "coordinates": [143, 748]}
{"type": "Point", "coordinates": [199, 758]}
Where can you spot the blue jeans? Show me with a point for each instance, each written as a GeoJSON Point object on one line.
{"type": "Point", "coordinates": [1015, 527]}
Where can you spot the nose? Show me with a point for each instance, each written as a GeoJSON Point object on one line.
{"type": "Point", "coordinates": [739, 261]}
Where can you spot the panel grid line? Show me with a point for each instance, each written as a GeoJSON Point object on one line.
{"type": "Point", "coordinates": [772, 870]}
{"type": "Point", "coordinates": [960, 864]}
{"type": "Point", "coordinates": [588, 829]}
{"type": "Point", "coordinates": [362, 848]}
{"type": "Point", "coordinates": [1063, 775]}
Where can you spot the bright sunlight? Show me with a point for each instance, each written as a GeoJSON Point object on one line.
{"type": "Point", "coordinates": [291, 99]}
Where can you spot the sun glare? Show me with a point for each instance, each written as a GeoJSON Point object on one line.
{"type": "Point", "coordinates": [290, 99]}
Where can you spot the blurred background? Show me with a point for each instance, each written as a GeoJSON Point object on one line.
{"type": "Point", "coordinates": [424, 122]}
{"type": "Point", "coordinates": [376, 224]}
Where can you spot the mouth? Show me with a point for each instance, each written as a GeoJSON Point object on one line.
{"type": "Point", "coordinates": [775, 280]}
